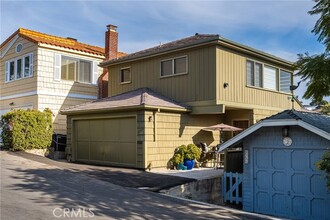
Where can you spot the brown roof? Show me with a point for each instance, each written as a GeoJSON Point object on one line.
{"type": "Point", "coordinates": [139, 98]}
{"type": "Point", "coordinates": [68, 43]}
{"type": "Point", "coordinates": [184, 42]}
{"type": "Point", "coordinates": [195, 40]}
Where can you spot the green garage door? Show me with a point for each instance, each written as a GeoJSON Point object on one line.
{"type": "Point", "coordinates": [108, 141]}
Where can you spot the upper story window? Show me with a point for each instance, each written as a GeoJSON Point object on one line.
{"type": "Point", "coordinates": [21, 67]}
{"type": "Point", "coordinates": [75, 69]}
{"type": "Point", "coordinates": [264, 76]}
{"type": "Point", "coordinates": [285, 81]}
{"type": "Point", "coordinates": [19, 48]}
{"type": "Point", "coordinates": [125, 75]}
{"type": "Point", "coordinates": [254, 76]}
{"type": "Point", "coordinates": [178, 65]}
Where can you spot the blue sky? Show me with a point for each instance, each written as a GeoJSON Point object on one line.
{"type": "Point", "coordinates": [280, 27]}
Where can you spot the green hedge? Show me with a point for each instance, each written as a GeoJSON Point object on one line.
{"type": "Point", "coordinates": [27, 129]}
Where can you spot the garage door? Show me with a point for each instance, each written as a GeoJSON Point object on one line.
{"type": "Point", "coordinates": [287, 184]}
{"type": "Point", "coordinates": [107, 141]}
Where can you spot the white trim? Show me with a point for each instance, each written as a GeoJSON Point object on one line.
{"type": "Point", "coordinates": [9, 46]}
{"type": "Point", "coordinates": [274, 123]}
{"type": "Point", "coordinates": [18, 95]}
{"type": "Point", "coordinates": [70, 95]}
{"type": "Point", "coordinates": [22, 57]}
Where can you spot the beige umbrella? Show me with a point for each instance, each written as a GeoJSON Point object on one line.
{"type": "Point", "coordinates": [222, 127]}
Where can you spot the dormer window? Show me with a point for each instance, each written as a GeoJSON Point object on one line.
{"type": "Point", "coordinates": [174, 66]}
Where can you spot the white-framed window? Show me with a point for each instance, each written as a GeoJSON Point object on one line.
{"type": "Point", "coordinates": [19, 48]}
{"type": "Point", "coordinates": [285, 81]}
{"type": "Point", "coordinates": [75, 69]}
{"type": "Point", "coordinates": [254, 73]}
{"type": "Point", "coordinates": [125, 75]}
{"type": "Point", "coordinates": [174, 66]}
{"type": "Point", "coordinates": [268, 77]}
{"type": "Point", "coordinates": [18, 68]}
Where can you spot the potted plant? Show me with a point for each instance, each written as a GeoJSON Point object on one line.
{"type": "Point", "coordinates": [192, 153]}
{"type": "Point", "coordinates": [178, 157]}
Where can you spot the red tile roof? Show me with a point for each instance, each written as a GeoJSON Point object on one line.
{"type": "Point", "coordinates": [68, 43]}
{"type": "Point", "coordinates": [140, 98]}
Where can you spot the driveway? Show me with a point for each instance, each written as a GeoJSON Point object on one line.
{"type": "Point", "coordinates": [34, 190]}
{"type": "Point", "coordinates": [119, 176]}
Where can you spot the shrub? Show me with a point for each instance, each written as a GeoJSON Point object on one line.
{"type": "Point", "coordinates": [324, 164]}
{"type": "Point", "coordinates": [193, 152]}
{"type": "Point", "coordinates": [189, 152]}
{"type": "Point", "coordinates": [27, 129]}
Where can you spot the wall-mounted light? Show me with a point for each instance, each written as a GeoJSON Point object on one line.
{"type": "Point", "coordinates": [225, 85]}
{"type": "Point", "coordinates": [151, 119]}
{"type": "Point", "coordinates": [285, 131]}
{"type": "Point", "coordinates": [12, 103]}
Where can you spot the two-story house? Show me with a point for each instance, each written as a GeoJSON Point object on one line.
{"type": "Point", "coordinates": [39, 71]}
{"type": "Point", "coordinates": [162, 97]}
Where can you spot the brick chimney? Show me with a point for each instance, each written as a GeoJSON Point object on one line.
{"type": "Point", "coordinates": [111, 42]}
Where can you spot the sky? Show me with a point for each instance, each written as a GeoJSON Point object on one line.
{"type": "Point", "coordinates": [279, 27]}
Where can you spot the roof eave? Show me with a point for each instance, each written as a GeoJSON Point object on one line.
{"type": "Point", "coordinates": [227, 42]}
{"type": "Point", "coordinates": [154, 54]}
{"type": "Point", "coordinates": [129, 108]}
{"type": "Point", "coordinates": [273, 123]}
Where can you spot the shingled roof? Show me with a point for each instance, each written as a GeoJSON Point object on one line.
{"type": "Point", "coordinates": [318, 120]}
{"type": "Point", "coordinates": [136, 99]}
{"type": "Point", "coordinates": [314, 122]}
{"type": "Point", "coordinates": [195, 40]}
{"type": "Point", "coordinates": [69, 43]}
{"type": "Point", "coordinates": [184, 42]}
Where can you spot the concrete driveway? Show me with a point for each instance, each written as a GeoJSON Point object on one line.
{"type": "Point", "coordinates": [34, 190]}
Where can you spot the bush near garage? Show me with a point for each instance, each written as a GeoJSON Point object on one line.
{"type": "Point", "coordinates": [27, 129]}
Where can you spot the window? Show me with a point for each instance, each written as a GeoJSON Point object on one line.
{"type": "Point", "coordinates": [264, 76]}
{"type": "Point", "coordinates": [285, 81]}
{"type": "Point", "coordinates": [244, 124]}
{"type": "Point", "coordinates": [270, 80]}
{"type": "Point", "coordinates": [19, 48]}
{"type": "Point", "coordinates": [174, 66]}
{"type": "Point", "coordinates": [69, 69]}
{"type": "Point", "coordinates": [254, 73]}
{"type": "Point", "coordinates": [125, 75]}
{"type": "Point", "coordinates": [28, 66]}
{"type": "Point", "coordinates": [19, 68]}
{"type": "Point", "coordinates": [76, 70]}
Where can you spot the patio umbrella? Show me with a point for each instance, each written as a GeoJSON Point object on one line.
{"type": "Point", "coordinates": [222, 127]}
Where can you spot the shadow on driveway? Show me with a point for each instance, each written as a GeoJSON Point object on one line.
{"type": "Point", "coordinates": [31, 190]}
{"type": "Point", "coordinates": [119, 176]}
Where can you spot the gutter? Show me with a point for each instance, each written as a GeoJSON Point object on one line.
{"type": "Point", "coordinates": [130, 108]}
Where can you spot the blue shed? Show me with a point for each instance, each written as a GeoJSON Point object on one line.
{"type": "Point", "coordinates": [279, 173]}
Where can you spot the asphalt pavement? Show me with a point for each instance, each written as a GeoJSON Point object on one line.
{"type": "Point", "coordinates": [35, 190]}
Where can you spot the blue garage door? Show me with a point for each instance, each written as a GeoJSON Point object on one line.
{"type": "Point", "coordinates": [287, 184]}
